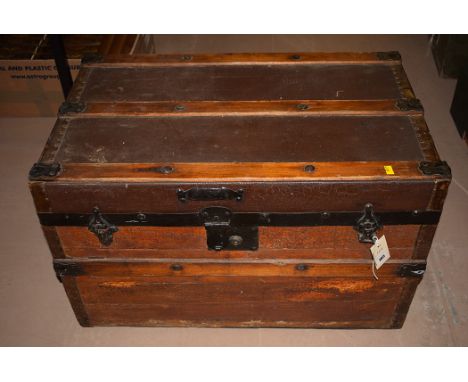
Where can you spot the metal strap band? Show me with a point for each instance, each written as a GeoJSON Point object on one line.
{"type": "Point", "coordinates": [245, 219]}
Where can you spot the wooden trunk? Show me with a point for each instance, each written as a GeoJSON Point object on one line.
{"type": "Point", "coordinates": [240, 190]}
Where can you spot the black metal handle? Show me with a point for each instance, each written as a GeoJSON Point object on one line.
{"type": "Point", "coordinates": [209, 194]}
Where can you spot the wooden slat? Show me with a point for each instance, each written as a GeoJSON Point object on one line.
{"type": "Point", "coordinates": [312, 253]}
{"type": "Point", "coordinates": [147, 290]}
{"type": "Point", "coordinates": [288, 197]}
{"type": "Point", "coordinates": [243, 58]}
{"type": "Point", "coordinates": [194, 108]}
{"type": "Point", "coordinates": [274, 242]}
{"type": "Point", "coordinates": [212, 172]}
{"type": "Point", "coordinates": [323, 314]}
{"type": "Point", "coordinates": [233, 267]}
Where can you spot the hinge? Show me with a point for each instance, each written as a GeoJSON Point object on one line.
{"type": "Point", "coordinates": [409, 104]}
{"type": "Point", "coordinates": [89, 58]}
{"type": "Point", "coordinates": [412, 270]}
{"type": "Point", "coordinates": [367, 225]}
{"type": "Point", "coordinates": [102, 228]}
{"type": "Point", "coordinates": [221, 235]}
{"type": "Point", "coordinates": [71, 107]}
{"type": "Point", "coordinates": [389, 56]}
{"type": "Point", "coordinates": [63, 268]}
{"type": "Point", "coordinates": [44, 170]}
{"type": "Point", "coordinates": [435, 168]}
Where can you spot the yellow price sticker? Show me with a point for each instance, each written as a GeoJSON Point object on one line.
{"type": "Point", "coordinates": [389, 170]}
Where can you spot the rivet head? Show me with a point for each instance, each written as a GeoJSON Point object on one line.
{"type": "Point", "coordinates": [186, 58]}
{"type": "Point", "coordinates": [295, 57]}
{"type": "Point", "coordinates": [302, 267]}
{"type": "Point", "coordinates": [141, 217]}
{"type": "Point", "coordinates": [179, 108]}
{"type": "Point", "coordinates": [235, 240]}
{"type": "Point", "coordinates": [325, 215]}
{"type": "Point", "coordinates": [166, 170]}
{"type": "Point", "coordinates": [176, 267]}
{"type": "Point", "coordinates": [302, 106]}
{"type": "Point", "coordinates": [309, 168]}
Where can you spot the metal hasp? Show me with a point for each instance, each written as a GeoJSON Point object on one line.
{"type": "Point", "coordinates": [101, 227]}
{"type": "Point", "coordinates": [44, 170]}
{"type": "Point", "coordinates": [367, 225]}
{"type": "Point", "coordinates": [435, 168]}
{"type": "Point", "coordinates": [221, 235]}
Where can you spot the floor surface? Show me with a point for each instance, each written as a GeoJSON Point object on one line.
{"type": "Point", "coordinates": [35, 311]}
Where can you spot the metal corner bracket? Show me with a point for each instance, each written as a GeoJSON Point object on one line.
{"type": "Point", "coordinates": [435, 168]}
{"type": "Point", "coordinates": [71, 107]}
{"type": "Point", "coordinates": [409, 104]}
{"type": "Point", "coordinates": [44, 170]}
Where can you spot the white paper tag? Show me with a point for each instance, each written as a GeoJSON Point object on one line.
{"type": "Point", "coordinates": [380, 252]}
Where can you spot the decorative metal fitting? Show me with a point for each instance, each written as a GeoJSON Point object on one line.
{"type": "Point", "coordinates": [71, 107]}
{"type": "Point", "coordinates": [302, 267]}
{"type": "Point", "coordinates": [44, 170]}
{"type": "Point", "coordinates": [90, 58]}
{"type": "Point", "coordinates": [309, 168]}
{"type": "Point", "coordinates": [408, 104]}
{"type": "Point", "coordinates": [367, 225]}
{"type": "Point", "coordinates": [66, 268]}
{"type": "Point", "coordinates": [389, 56]}
{"type": "Point", "coordinates": [435, 168]}
{"type": "Point", "coordinates": [302, 106]}
{"type": "Point", "coordinates": [412, 270]}
{"type": "Point", "coordinates": [101, 227]}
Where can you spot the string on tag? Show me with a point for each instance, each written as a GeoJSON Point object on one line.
{"type": "Point", "coordinates": [374, 240]}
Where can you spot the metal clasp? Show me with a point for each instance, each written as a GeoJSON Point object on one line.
{"type": "Point", "coordinates": [221, 235]}
{"type": "Point", "coordinates": [367, 225]}
{"type": "Point", "coordinates": [103, 229]}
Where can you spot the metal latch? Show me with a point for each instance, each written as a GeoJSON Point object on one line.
{"type": "Point", "coordinates": [367, 225]}
{"type": "Point", "coordinates": [102, 228]}
{"type": "Point", "coordinates": [222, 235]}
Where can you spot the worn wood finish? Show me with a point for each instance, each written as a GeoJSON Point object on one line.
{"type": "Point", "coordinates": [240, 172]}
{"type": "Point", "coordinates": [74, 295]}
{"type": "Point", "coordinates": [288, 197]}
{"type": "Point", "coordinates": [203, 108]}
{"type": "Point", "coordinates": [274, 242]}
{"type": "Point", "coordinates": [404, 302]}
{"type": "Point", "coordinates": [262, 254]}
{"type": "Point", "coordinates": [240, 83]}
{"type": "Point", "coordinates": [202, 139]}
{"type": "Point", "coordinates": [424, 241]}
{"type": "Point", "coordinates": [53, 240]}
{"type": "Point", "coordinates": [325, 314]}
{"type": "Point", "coordinates": [147, 290]}
{"type": "Point", "coordinates": [233, 267]}
{"type": "Point", "coordinates": [295, 58]}
{"type": "Point", "coordinates": [245, 301]}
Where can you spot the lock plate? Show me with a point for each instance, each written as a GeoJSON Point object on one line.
{"type": "Point", "coordinates": [221, 235]}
